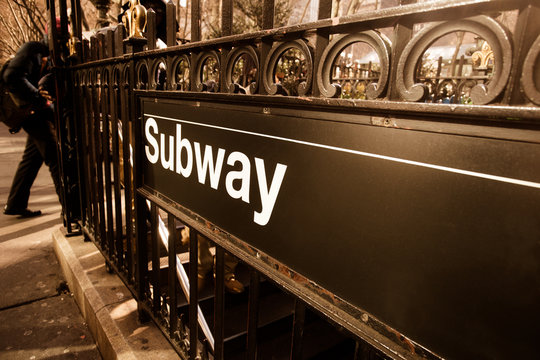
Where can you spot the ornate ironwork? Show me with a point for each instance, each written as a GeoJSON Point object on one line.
{"type": "Point", "coordinates": [208, 71]}
{"type": "Point", "coordinates": [249, 74]}
{"type": "Point", "coordinates": [485, 27]}
{"type": "Point", "coordinates": [303, 83]}
{"type": "Point", "coordinates": [180, 78]}
{"type": "Point", "coordinates": [376, 41]}
{"type": "Point", "coordinates": [530, 73]}
{"type": "Point", "coordinates": [134, 19]}
{"type": "Point", "coordinates": [158, 74]}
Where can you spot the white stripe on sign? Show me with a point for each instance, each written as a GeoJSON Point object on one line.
{"type": "Point", "coordinates": [363, 153]}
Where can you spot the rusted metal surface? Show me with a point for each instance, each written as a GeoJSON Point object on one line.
{"type": "Point", "coordinates": [374, 332]}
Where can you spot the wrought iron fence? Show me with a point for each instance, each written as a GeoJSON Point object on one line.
{"type": "Point", "coordinates": [333, 65]}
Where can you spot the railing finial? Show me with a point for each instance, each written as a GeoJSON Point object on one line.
{"type": "Point", "coordinates": [134, 19]}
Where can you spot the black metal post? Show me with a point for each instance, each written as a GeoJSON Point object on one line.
{"type": "Point", "coordinates": [253, 315]}
{"type": "Point", "coordinates": [193, 292]}
{"type": "Point", "coordinates": [173, 281]}
{"type": "Point", "coordinates": [156, 267]}
{"type": "Point", "coordinates": [298, 330]}
{"type": "Point", "coordinates": [219, 304]}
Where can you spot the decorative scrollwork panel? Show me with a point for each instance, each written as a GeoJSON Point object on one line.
{"type": "Point", "coordinates": [158, 74]}
{"type": "Point", "coordinates": [367, 81]}
{"type": "Point", "coordinates": [207, 70]}
{"type": "Point", "coordinates": [141, 75]}
{"type": "Point", "coordinates": [180, 71]}
{"type": "Point", "coordinates": [288, 69]}
{"type": "Point", "coordinates": [242, 70]}
{"type": "Point", "coordinates": [498, 56]}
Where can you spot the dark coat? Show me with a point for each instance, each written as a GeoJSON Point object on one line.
{"type": "Point", "coordinates": [24, 71]}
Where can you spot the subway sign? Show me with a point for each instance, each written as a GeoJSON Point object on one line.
{"type": "Point", "coordinates": [436, 234]}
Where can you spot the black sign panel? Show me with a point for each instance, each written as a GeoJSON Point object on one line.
{"type": "Point", "coordinates": [437, 235]}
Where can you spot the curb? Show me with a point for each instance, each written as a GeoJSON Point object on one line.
{"type": "Point", "coordinates": [106, 304]}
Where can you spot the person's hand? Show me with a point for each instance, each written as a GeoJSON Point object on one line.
{"type": "Point", "coordinates": [45, 94]}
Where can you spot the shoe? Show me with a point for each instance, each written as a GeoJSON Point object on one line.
{"type": "Point", "coordinates": [232, 285]}
{"type": "Point", "coordinates": [23, 213]}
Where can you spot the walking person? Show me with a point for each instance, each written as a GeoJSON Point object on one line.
{"type": "Point", "coordinates": [25, 77]}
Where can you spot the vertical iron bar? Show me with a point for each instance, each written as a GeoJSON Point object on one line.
{"type": "Point", "coordinates": [93, 161]}
{"type": "Point", "coordinates": [63, 36]}
{"type": "Point", "coordinates": [141, 231]}
{"type": "Point", "coordinates": [298, 330]}
{"type": "Point", "coordinates": [219, 304]}
{"type": "Point", "coordinates": [105, 148]}
{"type": "Point", "coordinates": [93, 48]}
{"type": "Point", "coordinates": [86, 53]}
{"type": "Point", "coordinates": [61, 128]}
{"type": "Point", "coordinates": [53, 34]}
{"type": "Point", "coordinates": [226, 29]}
{"type": "Point", "coordinates": [156, 268]}
{"type": "Point", "coordinates": [151, 35]}
{"type": "Point", "coordinates": [195, 20]}
{"type": "Point", "coordinates": [403, 32]}
{"type": "Point", "coordinates": [173, 281]}
{"type": "Point", "coordinates": [114, 94]}
{"type": "Point", "coordinates": [76, 16]}
{"type": "Point", "coordinates": [109, 43]}
{"type": "Point", "coordinates": [266, 44]}
{"type": "Point", "coordinates": [119, 35]}
{"type": "Point", "coordinates": [226, 17]}
{"type": "Point", "coordinates": [88, 156]}
{"type": "Point", "coordinates": [193, 292]}
{"type": "Point", "coordinates": [129, 201]}
{"type": "Point", "coordinates": [253, 315]}
{"type": "Point", "coordinates": [171, 23]}
{"type": "Point", "coordinates": [268, 14]}
{"type": "Point", "coordinates": [101, 46]}
{"type": "Point", "coordinates": [80, 143]}
{"type": "Point", "coordinates": [321, 41]}
{"type": "Point", "coordinates": [362, 351]}
{"type": "Point", "coordinates": [142, 256]}
{"type": "Point", "coordinates": [195, 36]}
{"type": "Point", "coordinates": [99, 162]}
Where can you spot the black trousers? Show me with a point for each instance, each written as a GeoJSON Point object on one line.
{"type": "Point", "coordinates": [40, 148]}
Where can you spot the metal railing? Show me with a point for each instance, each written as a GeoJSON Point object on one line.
{"type": "Point", "coordinates": [136, 228]}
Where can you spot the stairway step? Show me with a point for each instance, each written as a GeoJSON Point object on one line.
{"type": "Point", "coordinates": [321, 341]}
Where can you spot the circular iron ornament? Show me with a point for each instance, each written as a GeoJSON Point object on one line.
{"type": "Point", "coordinates": [528, 84]}
{"type": "Point", "coordinates": [487, 28]}
{"type": "Point", "coordinates": [176, 62]}
{"type": "Point", "coordinates": [271, 61]}
{"type": "Point", "coordinates": [234, 55]}
{"type": "Point", "coordinates": [377, 41]}
{"type": "Point", "coordinates": [139, 82]}
{"type": "Point", "coordinates": [154, 68]}
{"type": "Point", "coordinates": [203, 57]}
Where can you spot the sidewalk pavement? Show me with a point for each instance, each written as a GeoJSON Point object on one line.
{"type": "Point", "coordinates": [57, 300]}
{"type": "Point", "coordinates": [38, 316]}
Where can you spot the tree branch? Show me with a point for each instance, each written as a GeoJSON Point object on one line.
{"type": "Point", "coordinates": [17, 20]}
{"type": "Point", "coordinates": [16, 39]}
